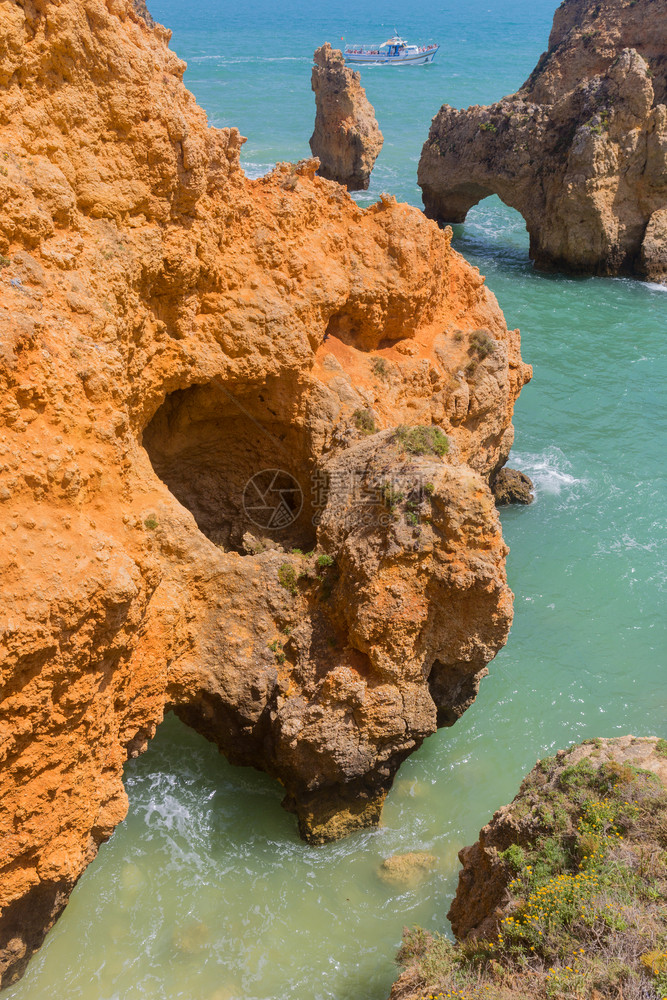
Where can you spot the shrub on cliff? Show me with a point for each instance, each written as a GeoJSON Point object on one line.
{"type": "Point", "coordinates": [482, 343]}
{"type": "Point", "coordinates": [364, 422]}
{"type": "Point", "coordinates": [583, 912]}
{"type": "Point", "coordinates": [287, 577]}
{"type": "Point", "coordinates": [422, 440]}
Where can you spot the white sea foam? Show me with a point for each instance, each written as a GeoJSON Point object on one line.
{"type": "Point", "coordinates": [655, 287]}
{"type": "Point", "coordinates": [549, 470]}
{"type": "Point", "coordinates": [253, 171]}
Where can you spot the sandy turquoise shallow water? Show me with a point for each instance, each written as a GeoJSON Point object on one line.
{"type": "Point", "coordinates": [205, 892]}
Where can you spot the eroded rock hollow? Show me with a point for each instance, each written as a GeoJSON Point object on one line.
{"type": "Point", "coordinates": [247, 434]}
{"type": "Point", "coordinates": [347, 139]}
{"type": "Point", "coordinates": [580, 150]}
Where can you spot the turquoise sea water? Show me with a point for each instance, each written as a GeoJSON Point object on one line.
{"type": "Point", "coordinates": [206, 893]}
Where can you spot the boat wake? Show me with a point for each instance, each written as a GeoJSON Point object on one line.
{"type": "Point", "coordinates": [226, 60]}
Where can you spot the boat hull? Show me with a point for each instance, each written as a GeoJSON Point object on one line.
{"type": "Point", "coordinates": [419, 59]}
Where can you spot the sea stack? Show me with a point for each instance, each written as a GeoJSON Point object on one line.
{"type": "Point", "coordinates": [347, 138]}
{"type": "Point", "coordinates": [580, 150]}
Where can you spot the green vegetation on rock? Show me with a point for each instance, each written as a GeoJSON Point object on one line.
{"type": "Point", "coordinates": [287, 577]}
{"type": "Point", "coordinates": [422, 440]}
{"type": "Point", "coordinates": [482, 343]}
{"type": "Point", "coordinates": [364, 422]}
{"type": "Point", "coordinates": [583, 912]}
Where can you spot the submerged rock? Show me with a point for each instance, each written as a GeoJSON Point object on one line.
{"type": "Point", "coordinates": [408, 869]}
{"type": "Point", "coordinates": [511, 486]}
{"type": "Point", "coordinates": [580, 150]}
{"type": "Point", "coordinates": [347, 139]}
{"type": "Point", "coordinates": [190, 939]}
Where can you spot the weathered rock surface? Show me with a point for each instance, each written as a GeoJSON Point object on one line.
{"type": "Point", "coordinates": [653, 257]}
{"type": "Point", "coordinates": [580, 150]}
{"type": "Point", "coordinates": [347, 139]}
{"type": "Point", "coordinates": [511, 486]}
{"type": "Point", "coordinates": [168, 329]}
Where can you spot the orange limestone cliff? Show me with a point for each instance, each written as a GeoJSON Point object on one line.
{"type": "Point", "coordinates": [347, 139]}
{"type": "Point", "coordinates": [203, 377]}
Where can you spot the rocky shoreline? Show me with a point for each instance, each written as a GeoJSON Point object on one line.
{"type": "Point", "coordinates": [253, 443]}
{"type": "Point", "coordinates": [564, 892]}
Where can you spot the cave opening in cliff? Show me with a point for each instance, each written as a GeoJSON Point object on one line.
{"type": "Point", "coordinates": [238, 459]}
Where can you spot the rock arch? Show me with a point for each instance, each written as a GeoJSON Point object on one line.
{"type": "Point", "coordinates": [580, 150]}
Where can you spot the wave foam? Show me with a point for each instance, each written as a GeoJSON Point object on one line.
{"type": "Point", "coordinates": [254, 171]}
{"type": "Point", "coordinates": [548, 470]}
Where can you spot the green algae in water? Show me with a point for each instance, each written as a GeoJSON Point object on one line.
{"type": "Point", "coordinates": [205, 892]}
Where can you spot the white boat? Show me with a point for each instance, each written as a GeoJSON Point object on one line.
{"type": "Point", "coordinates": [394, 52]}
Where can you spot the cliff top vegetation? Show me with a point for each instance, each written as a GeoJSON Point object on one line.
{"type": "Point", "coordinates": [584, 887]}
